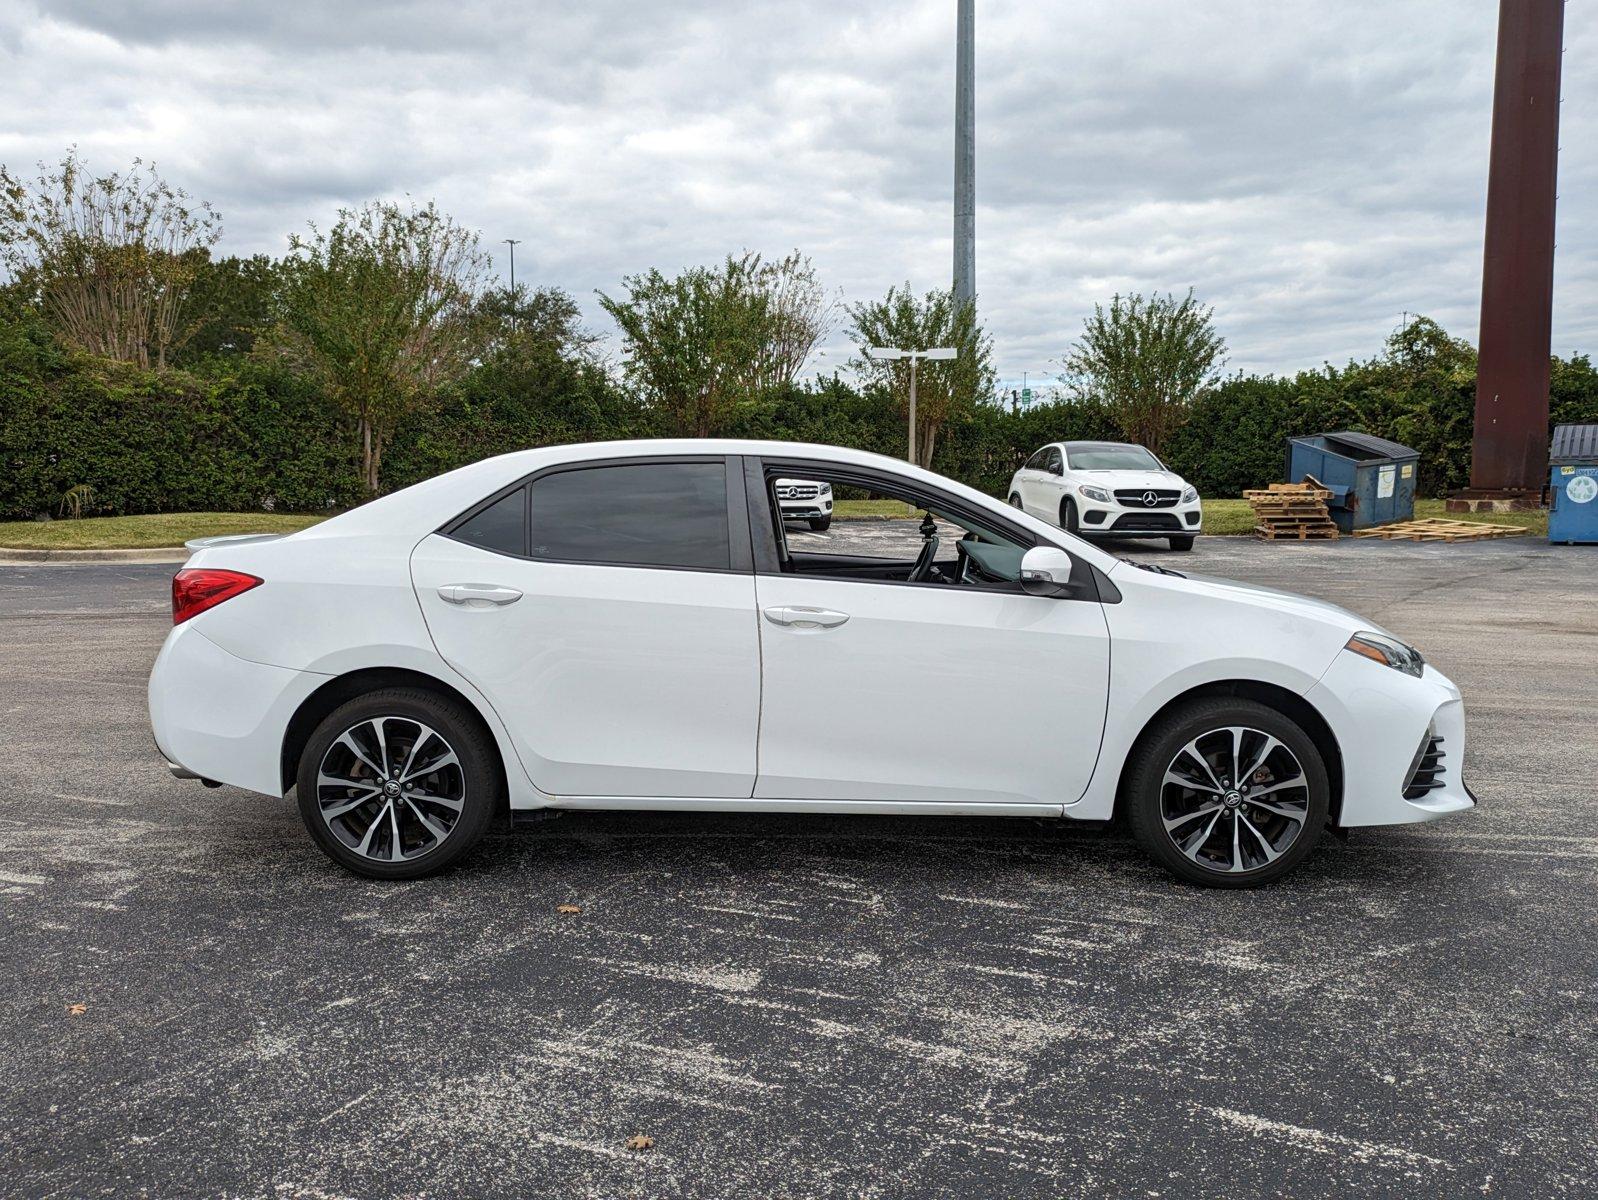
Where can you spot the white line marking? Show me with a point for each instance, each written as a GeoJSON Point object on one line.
{"type": "Point", "coordinates": [1322, 1141]}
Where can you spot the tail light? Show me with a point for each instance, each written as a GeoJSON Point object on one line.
{"type": "Point", "coordinates": [196, 589]}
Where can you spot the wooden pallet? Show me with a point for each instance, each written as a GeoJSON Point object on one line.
{"type": "Point", "coordinates": [1310, 489]}
{"type": "Point", "coordinates": [1292, 511]}
{"type": "Point", "coordinates": [1326, 531]}
{"type": "Point", "coordinates": [1439, 529]}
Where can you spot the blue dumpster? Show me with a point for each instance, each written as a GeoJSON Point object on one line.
{"type": "Point", "coordinates": [1573, 485]}
{"type": "Point", "coordinates": [1372, 479]}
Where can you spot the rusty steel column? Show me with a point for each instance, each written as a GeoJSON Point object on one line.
{"type": "Point", "coordinates": [1510, 449]}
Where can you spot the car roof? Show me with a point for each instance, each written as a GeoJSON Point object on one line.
{"type": "Point", "coordinates": [422, 507]}
{"type": "Point", "coordinates": [1101, 445]}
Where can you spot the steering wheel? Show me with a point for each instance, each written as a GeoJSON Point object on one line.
{"type": "Point", "coordinates": [923, 564]}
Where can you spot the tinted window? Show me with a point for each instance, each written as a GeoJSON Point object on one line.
{"type": "Point", "coordinates": [1035, 463]}
{"type": "Point", "coordinates": [1054, 462]}
{"type": "Point", "coordinates": [644, 514]}
{"type": "Point", "coordinates": [498, 527]}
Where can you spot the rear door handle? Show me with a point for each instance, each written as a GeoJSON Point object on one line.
{"type": "Point", "coordinates": [802, 617]}
{"type": "Point", "coordinates": [478, 594]}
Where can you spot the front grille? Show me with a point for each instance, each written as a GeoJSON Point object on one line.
{"type": "Point", "coordinates": [1142, 521]}
{"type": "Point", "coordinates": [1427, 773]}
{"type": "Point", "coordinates": [798, 491]}
{"type": "Point", "coordinates": [1139, 497]}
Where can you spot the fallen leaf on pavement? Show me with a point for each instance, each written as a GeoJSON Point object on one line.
{"type": "Point", "coordinates": [640, 1141]}
{"type": "Point", "coordinates": [77, 1010]}
{"type": "Point", "coordinates": [567, 908]}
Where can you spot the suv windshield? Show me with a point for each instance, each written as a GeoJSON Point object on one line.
{"type": "Point", "coordinates": [1113, 458]}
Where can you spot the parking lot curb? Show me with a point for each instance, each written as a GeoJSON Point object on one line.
{"type": "Point", "coordinates": [16, 557]}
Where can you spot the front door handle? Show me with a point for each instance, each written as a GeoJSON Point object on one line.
{"type": "Point", "coordinates": [802, 617]}
{"type": "Point", "coordinates": [478, 595]}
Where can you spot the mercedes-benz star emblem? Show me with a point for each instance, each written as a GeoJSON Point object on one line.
{"type": "Point", "coordinates": [1150, 499]}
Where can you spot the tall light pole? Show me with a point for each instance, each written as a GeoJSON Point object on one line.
{"type": "Point", "coordinates": [889, 354]}
{"type": "Point", "coordinates": [965, 154]}
{"type": "Point", "coordinates": [513, 243]}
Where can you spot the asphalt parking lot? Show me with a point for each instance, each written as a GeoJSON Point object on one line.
{"type": "Point", "coordinates": [804, 1006]}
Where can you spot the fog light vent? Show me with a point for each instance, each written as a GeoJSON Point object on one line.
{"type": "Point", "coordinates": [1426, 775]}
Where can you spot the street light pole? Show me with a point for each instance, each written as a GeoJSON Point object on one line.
{"type": "Point", "coordinates": [889, 354]}
{"type": "Point", "coordinates": [513, 243]}
{"type": "Point", "coordinates": [911, 456]}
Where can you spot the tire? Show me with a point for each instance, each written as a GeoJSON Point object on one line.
{"type": "Point", "coordinates": [820, 524]}
{"type": "Point", "coordinates": [1181, 543]}
{"type": "Point", "coordinates": [1198, 848]}
{"type": "Point", "coordinates": [456, 800]}
{"type": "Point", "coordinates": [1015, 501]}
{"type": "Point", "coordinates": [1068, 517]}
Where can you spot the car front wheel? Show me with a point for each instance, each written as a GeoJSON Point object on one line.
{"type": "Point", "coordinates": [398, 784]}
{"type": "Point", "coordinates": [821, 524]}
{"type": "Point", "coordinates": [1182, 543]}
{"type": "Point", "coordinates": [1227, 793]}
{"type": "Point", "coordinates": [1068, 517]}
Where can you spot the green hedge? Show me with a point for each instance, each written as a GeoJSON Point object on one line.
{"type": "Point", "coordinates": [236, 434]}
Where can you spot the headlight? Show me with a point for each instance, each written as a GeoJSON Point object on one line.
{"type": "Point", "coordinates": [1190, 495]}
{"type": "Point", "coordinates": [826, 489]}
{"type": "Point", "coordinates": [1390, 652]}
{"type": "Point", "coordinates": [1093, 493]}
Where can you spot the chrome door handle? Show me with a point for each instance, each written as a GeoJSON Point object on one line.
{"type": "Point", "coordinates": [479, 594]}
{"type": "Point", "coordinates": [803, 617]}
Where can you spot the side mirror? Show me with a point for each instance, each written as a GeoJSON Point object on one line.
{"type": "Point", "coordinates": [1056, 468]}
{"type": "Point", "coordinates": [1046, 571]}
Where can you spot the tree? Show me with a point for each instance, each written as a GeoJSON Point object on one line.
{"type": "Point", "coordinates": [944, 390]}
{"type": "Point", "coordinates": [1148, 358]}
{"type": "Point", "coordinates": [527, 317]}
{"type": "Point", "coordinates": [699, 344]}
{"type": "Point", "coordinates": [383, 310]}
{"type": "Point", "coordinates": [110, 259]}
{"type": "Point", "coordinates": [232, 300]}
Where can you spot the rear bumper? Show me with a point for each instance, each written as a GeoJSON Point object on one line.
{"type": "Point", "coordinates": [219, 717]}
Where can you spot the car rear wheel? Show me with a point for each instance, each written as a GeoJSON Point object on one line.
{"type": "Point", "coordinates": [1182, 543]}
{"type": "Point", "coordinates": [398, 784]}
{"type": "Point", "coordinates": [821, 524]}
{"type": "Point", "coordinates": [1227, 793]}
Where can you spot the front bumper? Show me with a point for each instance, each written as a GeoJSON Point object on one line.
{"type": "Point", "coordinates": [804, 510]}
{"type": "Point", "coordinates": [1117, 520]}
{"type": "Point", "coordinates": [1379, 717]}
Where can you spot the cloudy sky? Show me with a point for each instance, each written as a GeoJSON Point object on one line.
{"type": "Point", "coordinates": [1314, 170]}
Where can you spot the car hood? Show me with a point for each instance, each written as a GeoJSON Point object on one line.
{"type": "Point", "coordinates": [1249, 593]}
{"type": "Point", "coordinates": [1132, 479]}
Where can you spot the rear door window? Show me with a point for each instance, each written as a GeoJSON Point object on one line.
{"type": "Point", "coordinates": [634, 514]}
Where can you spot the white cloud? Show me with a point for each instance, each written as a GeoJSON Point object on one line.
{"type": "Point", "coordinates": [1312, 170]}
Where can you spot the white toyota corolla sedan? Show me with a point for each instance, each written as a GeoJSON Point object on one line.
{"type": "Point", "coordinates": [629, 626]}
{"type": "Point", "coordinates": [1108, 489]}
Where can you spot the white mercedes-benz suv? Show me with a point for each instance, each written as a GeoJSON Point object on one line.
{"type": "Point", "coordinates": [805, 500]}
{"type": "Point", "coordinates": [1108, 489]}
{"type": "Point", "coordinates": [627, 625]}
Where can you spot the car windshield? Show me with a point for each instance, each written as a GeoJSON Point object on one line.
{"type": "Point", "coordinates": [1113, 458]}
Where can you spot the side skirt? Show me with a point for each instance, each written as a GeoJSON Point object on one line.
{"type": "Point", "coordinates": [906, 808]}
